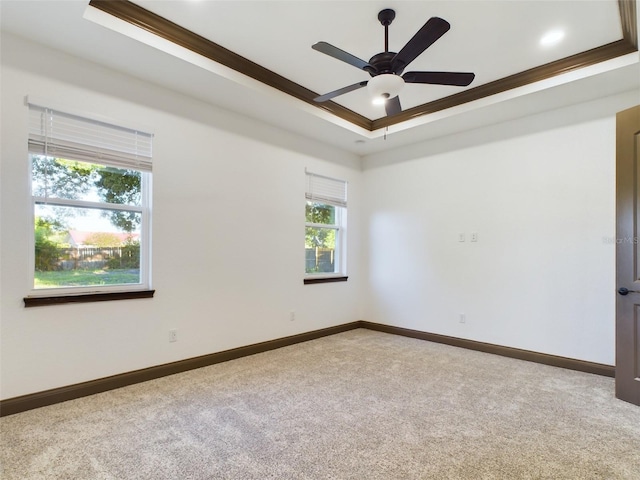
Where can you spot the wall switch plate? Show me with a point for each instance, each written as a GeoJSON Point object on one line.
{"type": "Point", "coordinates": [462, 237]}
{"type": "Point", "coordinates": [292, 316]}
{"type": "Point", "coordinates": [173, 335]}
{"type": "Point", "coordinates": [463, 318]}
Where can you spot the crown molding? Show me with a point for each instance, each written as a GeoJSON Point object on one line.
{"type": "Point", "coordinates": [163, 28]}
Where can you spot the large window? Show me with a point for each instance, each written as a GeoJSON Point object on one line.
{"type": "Point", "coordinates": [91, 194]}
{"type": "Point", "coordinates": [325, 232]}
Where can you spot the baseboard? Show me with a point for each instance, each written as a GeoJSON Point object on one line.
{"type": "Point", "coordinates": [553, 360]}
{"type": "Point", "coordinates": [79, 390]}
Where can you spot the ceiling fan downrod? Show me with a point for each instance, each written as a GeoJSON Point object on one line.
{"type": "Point", "coordinates": [385, 17]}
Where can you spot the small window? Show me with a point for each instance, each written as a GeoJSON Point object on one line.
{"type": "Point", "coordinates": [325, 227]}
{"type": "Point", "coordinates": [91, 194]}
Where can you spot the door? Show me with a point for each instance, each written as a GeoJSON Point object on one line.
{"type": "Point", "coordinates": [628, 255]}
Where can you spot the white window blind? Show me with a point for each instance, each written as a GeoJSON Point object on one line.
{"type": "Point", "coordinates": [64, 135]}
{"type": "Point", "coordinates": [321, 189]}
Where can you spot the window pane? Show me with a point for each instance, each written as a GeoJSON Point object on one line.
{"type": "Point", "coordinates": [74, 180]}
{"type": "Point", "coordinates": [320, 213]}
{"type": "Point", "coordinates": [77, 247]}
{"type": "Point", "coordinates": [320, 250]}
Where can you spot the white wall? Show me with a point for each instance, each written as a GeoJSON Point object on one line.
{"type": "Point", "coordinates": [228, 227]}
{"type": "Point", "coordinates": [538, 191]}
{"type": "Point", "coordinates": [540, 194]}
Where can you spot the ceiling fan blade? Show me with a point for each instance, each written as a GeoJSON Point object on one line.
{"type": "Point", "coordinates": [392, 106]}
{"type": "Point", "coordinates": [340, 91]}
{"type": "Point", "coordinates": [423, 39]}
{"type": "Point", "coordinates": [346, 57]}
{"type": "Point", "coordinates": [440, 78]}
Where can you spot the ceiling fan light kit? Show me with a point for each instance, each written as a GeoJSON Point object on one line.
{"type": "Point", "coordinates": [386, 68]}
{"type": "Point", "coordinates": [383, 87]}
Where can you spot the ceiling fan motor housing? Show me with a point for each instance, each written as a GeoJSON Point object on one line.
{"type": "Point", "coordinates": [381, 62]}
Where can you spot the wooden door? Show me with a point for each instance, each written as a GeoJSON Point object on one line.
{"type": "Point", "coordinates": [628, 255]}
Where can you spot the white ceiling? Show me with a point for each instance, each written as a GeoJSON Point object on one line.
{"type": "Point", "coordinates": [491, 38]}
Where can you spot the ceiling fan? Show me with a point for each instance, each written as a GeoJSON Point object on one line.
{"type": "Point", "coordinates": [386, 68]}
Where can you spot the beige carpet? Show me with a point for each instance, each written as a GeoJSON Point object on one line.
{"type": "Point", "coordinates": [358, 405]}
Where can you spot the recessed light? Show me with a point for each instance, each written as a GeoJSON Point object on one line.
{"type": "Point", "coordinates": [552, 37]}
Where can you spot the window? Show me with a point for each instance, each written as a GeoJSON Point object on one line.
{"type": "Point", "coordinates": [325, 235]}
{"type": "Point", "coordinates": [91, 195]}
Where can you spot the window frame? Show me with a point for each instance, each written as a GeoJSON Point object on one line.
{"type": "Point", "coordinates": [145, 238]}
{"type": "Point", "coordinates": [118, 154]}
{"type": "Point", "coordinates": [340, 226]}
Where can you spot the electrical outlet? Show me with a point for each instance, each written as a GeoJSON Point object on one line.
{"type": "Point", "coordinates": [173, 335]}
{"type": "Point", "coordinates": [463, 318]}
{"type": "Point", "coordinates": [292, 316]}
{"type": "Point", "coordinates": [474, 237]}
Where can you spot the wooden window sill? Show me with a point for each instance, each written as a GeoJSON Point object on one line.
{"type": "Point", "coordinates": [86, 298]}
{"type": "Point", "coordinates": [310, 280]}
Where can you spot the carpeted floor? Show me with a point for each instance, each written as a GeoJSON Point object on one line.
{"type": "Point", "coordinates": [358, 405]}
